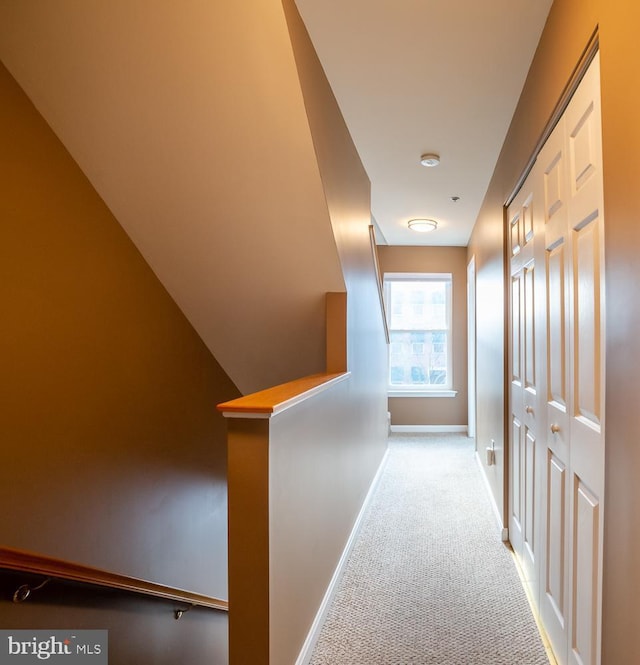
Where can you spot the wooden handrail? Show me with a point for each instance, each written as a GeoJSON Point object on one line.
{"type": "Point", "coordinates": [273, 400]}
{"type": "Point", "coordinates": [38, 564]}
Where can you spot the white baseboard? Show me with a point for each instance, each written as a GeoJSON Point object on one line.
{"type": "Point", "coordinates": [307, 648]}
{"type": "Point", "coordinates": [504, 532]}
{"type": "Point", "coordinates": [435, 429]}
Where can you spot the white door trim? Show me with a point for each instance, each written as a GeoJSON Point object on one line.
{"type": "Point", "coordinates": [471, 349]}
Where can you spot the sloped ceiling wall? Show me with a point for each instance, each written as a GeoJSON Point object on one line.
{"type": "Point", "coordinates": [189, 121]}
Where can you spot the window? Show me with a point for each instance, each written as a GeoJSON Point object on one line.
{"type": "Point", "coordinates": [420, 332]}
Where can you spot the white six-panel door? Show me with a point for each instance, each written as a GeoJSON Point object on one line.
{"type": "Point", "coordinates": [557, 378]}
{"type": "Point", "coordinates": [525, 449]}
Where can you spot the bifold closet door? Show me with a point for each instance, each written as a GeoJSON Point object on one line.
{"type": "Point", "coordinates": [554, 594]}
{"type": "Point", "coordinates": [525, 451]}
{"type": "Point", "coordinates": [567, 423]}
{"type": "Point", "coordinates": [571, 163]}
{"type": "Point", "coordinates": [586, 328]}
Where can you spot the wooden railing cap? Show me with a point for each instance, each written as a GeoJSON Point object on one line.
{"type": "Point", "coordinates": [271, 401]}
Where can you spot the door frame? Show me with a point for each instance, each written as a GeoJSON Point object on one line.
{"type": "Point", "coordinates": [471, 350]}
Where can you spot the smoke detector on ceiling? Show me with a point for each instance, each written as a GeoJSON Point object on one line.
{"type": "Point", "coordinates": [430, 159]}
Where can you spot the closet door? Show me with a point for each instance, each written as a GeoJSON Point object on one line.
{"type": "Point", "coordinates": [586, 409]}
{"type": "Point", "coordinates": [557, 378]}
{"type": "Point", "coordinates": [554, 594]}
{"type": "Point", "coordinates": [525, 452]}
{"type": "Point", "coordinates": [572, 189]}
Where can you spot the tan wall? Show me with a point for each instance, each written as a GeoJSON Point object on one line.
{"type": "Point", "coordinates": [566, 34]}
{"type": "Point", "coordinates": [621, 154]}
{"type": "Point", "coordinates": [327, 451]}
{"type": "Point", "coordinates": [570, 24]}
{"type": "Point", "coordinates": [310, 466]}
{"type": "Point", "coordinates": [321, 469]}
{"type": "Point", "coordinates": [347, 191]}
{"type": "Point", "coordinates": [189, 121]}
{"type": "Point", "coordinates": [112, 452]}
{"type": "Point", "coordinates": [435, 410]}
{"type": "Point", "coordinates": [486, 247]}
{"type": "Point", "coordinates": [106, 371]}
{"type": "Point", "coordinates": [296, 484]}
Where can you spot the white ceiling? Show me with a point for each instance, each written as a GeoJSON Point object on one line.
{"type": "Point", "coordinates": [416, 76]}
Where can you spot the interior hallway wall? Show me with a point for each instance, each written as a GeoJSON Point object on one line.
{"type": "Point", "coordinates": [113, 454]}
{"type": "Point", "coordinates": [323, 453]}
{"type": "Point", "coordinates": [169, 390]}
{"type": "Point", "coordinates": [569, 27]}
{"type": "Point", "coordinates": [435, 410]}
{"type": "Point", "coordinates": [348, 199]}
{"type": "Point", "coordinates": [189, 121]}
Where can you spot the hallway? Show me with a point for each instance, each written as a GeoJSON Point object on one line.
{"type": "Point", "coordinates": [428, 580]}
{"type": "Point", "coordinates": [187, 222]}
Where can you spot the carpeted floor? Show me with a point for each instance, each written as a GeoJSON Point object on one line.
{"type": "Point", "coordinates": [428, 580]}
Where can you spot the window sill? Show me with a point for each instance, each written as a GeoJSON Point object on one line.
{"type": "Point", "coordinates": [422, 393]}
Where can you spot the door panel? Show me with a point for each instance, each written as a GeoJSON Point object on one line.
{"type": "Point", "coordinates": [515, 235]}
{"type": "Point", "coordinates": [527, 220]}
{"type": "Point", "coordinates": [530, 495]}
{"type": "Point", "coordinates": [516, 472]}
{"type": "Point", "coordinates": [587, 342]}
{"type": "Point", "coordinates": [556, 582]}
{"type": "Point", "coordinates": [556, 330]}
{"type": "Point", "coordinates": [585, 576]}
{"type": "Point", "coordinates": [554, 184]}
{"type": "Point", "coordinates": [583, 148]}
{"type": "Point", "coordinates": [516, 315]}
{"type": "Point", "coordinates": [529, 342]}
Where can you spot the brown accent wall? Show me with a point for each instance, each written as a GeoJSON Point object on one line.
{"type": "Point", "coordinates": [570, 24]}
{"type": "Point", "coordinates": [112, 452]}
{"type": "Point", "coordinates": [435, 410]}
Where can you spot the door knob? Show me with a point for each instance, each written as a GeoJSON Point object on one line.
{"type": "Point", "coordinates": [529, 409]}
{"type": "Point", "coordinates": [555, 429]}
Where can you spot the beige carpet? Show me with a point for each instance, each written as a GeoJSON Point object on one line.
{"type": "Point", "coordinates": [428, 580]}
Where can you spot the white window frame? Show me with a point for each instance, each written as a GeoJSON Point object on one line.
{"type": "Point", "coordinates": [408, 390]}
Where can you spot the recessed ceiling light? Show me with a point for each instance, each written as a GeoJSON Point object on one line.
{"type": "Point", "coordinates": [423, 225]}
{"type": "Point", "coordinates": [430, 159]}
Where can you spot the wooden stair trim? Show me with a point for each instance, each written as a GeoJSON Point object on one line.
{"type": "Point", "coordinates": [38, 564]}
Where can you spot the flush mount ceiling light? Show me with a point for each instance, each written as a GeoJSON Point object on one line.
{"type": "Point", "coordinates": [430, 159]}
{"type": "Point", "coordinates": [423, 225]}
